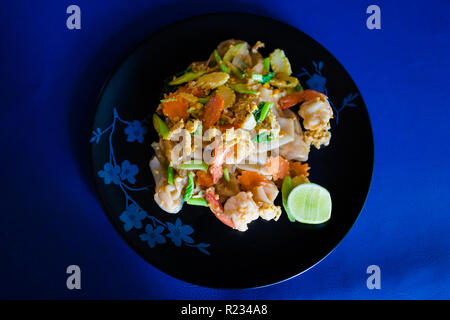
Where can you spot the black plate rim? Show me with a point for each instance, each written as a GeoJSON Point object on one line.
{"type": "Point", "coordinates": [131, 52]}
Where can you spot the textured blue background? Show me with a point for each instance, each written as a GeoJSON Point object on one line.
{"type": "Point", "coordinates": [50, 217]}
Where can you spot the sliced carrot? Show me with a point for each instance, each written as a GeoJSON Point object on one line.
{"type": "Point", "coordinates": [204, 179]}
{"type": "Point", "coordinates": [298, 169]}
{"type": "Point", "coordinates": [278, 167]}
{"type": "Point", "coordinates": [212, 111]}
{"type": "Point", "coordinates": [251, 179]}
{"type": "Point", "coordinates": [175, 109]}
{"type": "Point", "coordinates": [300, 96]}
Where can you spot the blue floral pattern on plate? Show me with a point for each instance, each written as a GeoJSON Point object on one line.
{"type": "Point", "coordinates": [124, 176]}
{"type": "Point", "coordinates": [153, 235]}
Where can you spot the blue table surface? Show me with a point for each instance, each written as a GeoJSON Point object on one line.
{"type": "Point", "coordinates": [51, 218]}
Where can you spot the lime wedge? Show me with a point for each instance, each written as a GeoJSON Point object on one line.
{"type": "Point", "coordinates": [309, 203]}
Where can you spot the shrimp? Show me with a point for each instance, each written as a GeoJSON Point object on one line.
{"type": "Point", "coordinates": [278, 167]}
{"type": "Point", "coordinates": [216, 170]}
{"type": "Point", "coordinates": [300, 96]}
{"type": "Point", "coordinates": [315, 109]}
{"type": "Point", "coordinates": [316, 113]}
{"type": "Point", "coordinates": [169, 196]}
{"type": "Point", "coordinates": [242, 210]}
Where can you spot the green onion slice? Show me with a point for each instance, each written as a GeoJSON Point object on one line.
{"type": "Point", "coordinates": [257, 112]}
{"type": "Point", "coordinates": [267, 64]}
{"type": "Point", "coordinates": [197, 202]}
{"type": "Point", "coordinates": [188, 76]}
{"type": "Point", "coordinates": [242, 88]}
{"type": "Point", "coordinates": [194, 165]}
{"type": "Point", "coordinates": [170, 175]}
{"type": "Point", "coordinates": [268, 77]}
{"type": "Point", "coordinates": [189, 187]}
{"type": "Point", "coordinates": [203, 100]}
{"type": "Point", "coordinates": [226, 174]}
{"type": "Point", "coordinates": [263, 137]}
{"type": "Point", "coordinates": [168, 100]}
{"type": "Point", "coordinates": [221, 64]}
{"type": "Point", "coordinates": [265, 111]}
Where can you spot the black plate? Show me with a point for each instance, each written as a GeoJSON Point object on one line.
{"type": "Point", "coordinates": [193, 245]}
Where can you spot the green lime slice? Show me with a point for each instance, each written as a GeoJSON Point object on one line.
{"type": "Point", "coordinates": [309, 203]}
